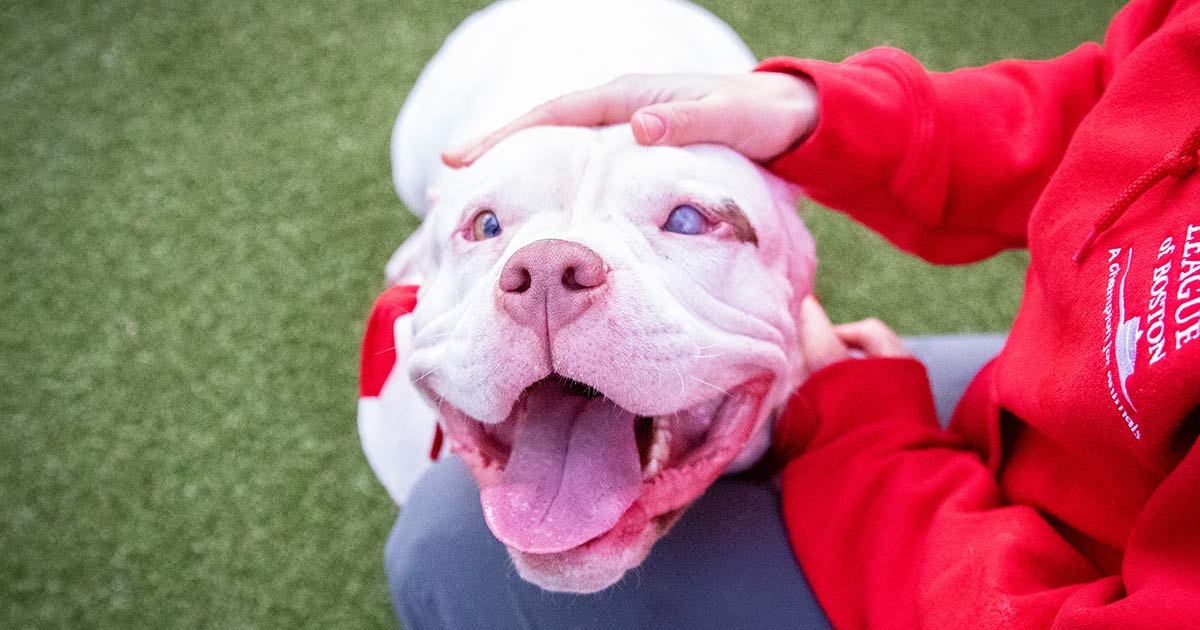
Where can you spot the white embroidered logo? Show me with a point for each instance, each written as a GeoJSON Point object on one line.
{"type": "Point", "coordinates": [1122, 350]}
{"type": "Point", "coordinates": [1171, 319]}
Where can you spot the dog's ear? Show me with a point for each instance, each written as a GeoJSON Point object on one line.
{"type": "Point", "coordinates": [397, 426]}
{"type": "Point", "coordinates": [413, 260]}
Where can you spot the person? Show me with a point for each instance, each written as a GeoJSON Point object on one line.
{"type": "Point", "coordinates": [1066, 491]}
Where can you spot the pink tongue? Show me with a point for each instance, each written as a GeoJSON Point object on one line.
{"type": "Point", "coordinates": [572, 473]}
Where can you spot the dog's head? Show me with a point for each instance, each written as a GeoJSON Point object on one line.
{"type": "Point", "coordinates": [605, 328]}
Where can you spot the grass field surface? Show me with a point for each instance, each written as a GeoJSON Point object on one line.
{"type": "Point", "coordinates": [195, 209]}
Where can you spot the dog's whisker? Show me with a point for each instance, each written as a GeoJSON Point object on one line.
{"type": "Point", "coordinates": [711, 356]}
{"type": "Point", "coordinates": [704, 382]}
{"type": "Point", "coordinates": [682, 384]}
{"type": "Point", "coordinates": [425, 375]}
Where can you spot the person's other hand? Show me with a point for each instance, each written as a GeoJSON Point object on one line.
{"type": "Point", "coordinates": [759, 114]}
{"type": "Point", "coordinates": [824, 344]}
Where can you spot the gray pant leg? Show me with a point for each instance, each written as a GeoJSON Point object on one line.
{"type": "Point", "coordinates": [952, 361]}
{"type": "Point", "coordinates": [726, 565]}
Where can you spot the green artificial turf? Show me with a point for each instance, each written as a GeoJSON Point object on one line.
{"type": "Point", "coordinates": [195, 208]}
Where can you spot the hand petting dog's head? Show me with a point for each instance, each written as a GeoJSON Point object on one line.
{"type": "Point", "coordinates": [605, 328]}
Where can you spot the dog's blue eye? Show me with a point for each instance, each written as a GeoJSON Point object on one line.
{"type": "Point", "coordinates": [485, 225]}
{"type": "Point", "coordinates": [685, 220]}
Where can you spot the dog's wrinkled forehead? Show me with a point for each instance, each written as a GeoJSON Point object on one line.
{"type": "Point", "coordinates": [543, 166]}
{"type": "Point", "coordinates": [554, 181]}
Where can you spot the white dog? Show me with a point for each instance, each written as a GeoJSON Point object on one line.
{"type": "Point", "coordinates": [602, 327]}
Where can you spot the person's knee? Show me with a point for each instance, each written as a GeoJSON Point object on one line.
{"type": "Point", "coordinates": [419, 563]}
{"type": "Point", "coordinates": [438, 539]}
{"type": "Point", "coordinates": [406, 578]}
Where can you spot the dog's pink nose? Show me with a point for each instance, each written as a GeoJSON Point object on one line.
{"type": "Point", "coordinates": [549, 283]}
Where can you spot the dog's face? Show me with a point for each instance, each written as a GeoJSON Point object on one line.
{"type": "Point", "coordinates": [604, 329]}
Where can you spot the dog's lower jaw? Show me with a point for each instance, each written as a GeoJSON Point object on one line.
{"type": "Point", "coordinates": [603, 560]}
{"type": "Point", "coordinates": [577, 570]}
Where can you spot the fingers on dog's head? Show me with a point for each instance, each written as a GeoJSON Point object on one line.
{"type": "Point", "coordinates": [607, 104]}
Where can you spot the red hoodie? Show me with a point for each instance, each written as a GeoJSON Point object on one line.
{"type": "Point", "coordinates": [1066, 493]}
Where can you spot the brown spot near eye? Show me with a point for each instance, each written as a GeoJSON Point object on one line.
{"type": "Point", "coordinates": [729, 212]}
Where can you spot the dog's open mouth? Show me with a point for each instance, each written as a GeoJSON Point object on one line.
{"type": "Point", "coordinates": [569, 468]}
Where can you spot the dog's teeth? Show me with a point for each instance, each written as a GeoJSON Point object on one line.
{"type": "Point", "coordinates": [651, 470]}
{"type": "Point", "coordinates": [660, 447]}
{"type": "Point", "coordinates": [662, 436]}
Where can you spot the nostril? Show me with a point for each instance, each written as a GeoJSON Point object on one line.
{"type": "Point", "coordinates": [569, 281]}
{"type": "Point", "coordinates": [515, 279]}
{"type": "Point", "coordinates": [584, 277]}
{"type": "Point", "coordinates": [525, 282]}
{"type": "Point", "coordinates": [585, 274]}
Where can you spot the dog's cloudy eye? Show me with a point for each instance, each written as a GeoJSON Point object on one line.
{"type": "Point", "coordinates": [485, 225]}
{"type": "Point", "coordinates": [685, 220]}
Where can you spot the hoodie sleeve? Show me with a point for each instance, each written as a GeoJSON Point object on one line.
{"type": "Point", "coordinates": [900, 524]}
{"type": "Point", "coordinates": [948, 166]}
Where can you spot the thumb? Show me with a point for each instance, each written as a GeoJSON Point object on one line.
{"type": "Point", "coordinates": [819, 343]}
{"type": "Point", "coordinates": [681, 123]}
